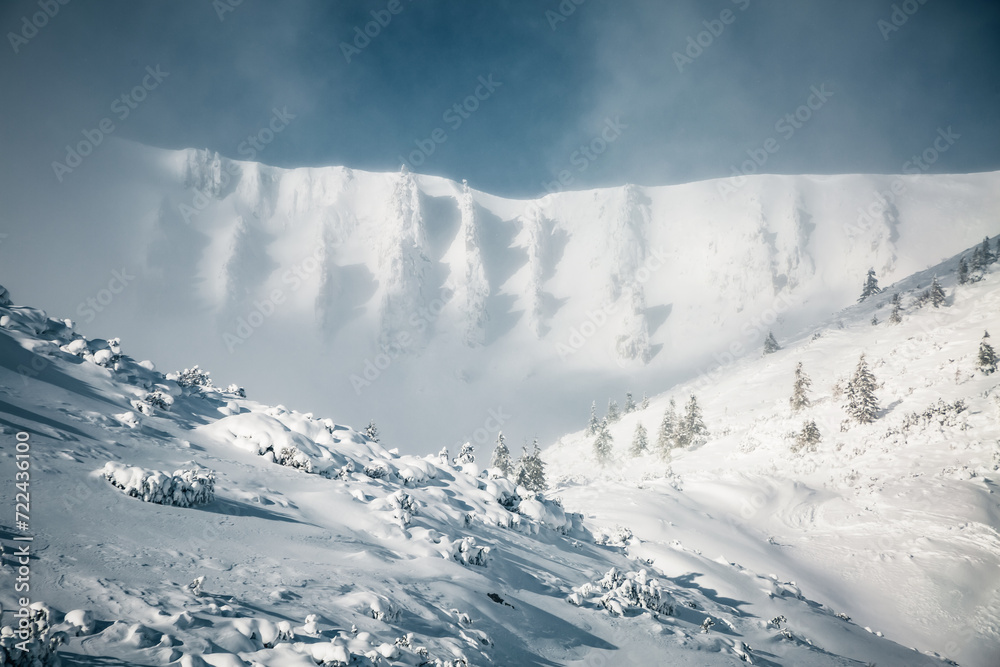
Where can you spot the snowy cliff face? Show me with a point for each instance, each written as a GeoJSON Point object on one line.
{"type": "Point", "coordinates": [445, 302]}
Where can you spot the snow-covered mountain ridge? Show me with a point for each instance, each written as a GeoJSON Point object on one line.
{"type": "Point", "coordinates": [897, 521]}
{"type": "Point", "coordinates": [423, 303]}
{"type": "Point", "coordinates": [287, 540]}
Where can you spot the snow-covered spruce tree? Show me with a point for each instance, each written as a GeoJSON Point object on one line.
{"type": "Point", "coordinates": [870, 287]}
{"type": "Point", "coordinates": [987, 356]}
{"type": "Point", "coordinates": [467, 455]}
{"type": "Point", "coordinates": [594, 421]}
{"type": "Point", "coordinates": [937, 295]}
{"type": "Point", "coordinates": [645, 402]}
{"type": "Point", "coordinates": [501, 457]}
{"type": "Point", "coordinates": [770, 344]}
{"type": "Point", "coordinates": [640, 441]}
{"type": "Point", "coordinates": [862, 404]}
{"type": "Point", "coordinates": [603, 443]}
{"type": "Point", "coordinates": [613, 414]}
{"type": "Point", "coordinates": [521, 467]}
{"type": "Point", "coordinates": [371, 431]}
{"type": "Point", "coordinates": [444, 457]}
{"type": "Point", "coordinates": [666, 437]}
{"type": "Point", "coordinates": [534, 470]}
{"type": "Point", "coordinates": [807, 438]}
{"type": "Point", "coordinates": [692, 430]}
{"type": "Point", "coordinates": [629, 403]}
{"type": "Point", "coordinates": [986, 252]}
{"type": "Point", "coordinates": [896, 316]}
{"type": "Point", "coordinates": [800, 388]}
{"type": "Point", "coordinates": [963, 271]}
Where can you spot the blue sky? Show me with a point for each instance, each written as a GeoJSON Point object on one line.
{"type": "Point", "coordinates": [559, 77]}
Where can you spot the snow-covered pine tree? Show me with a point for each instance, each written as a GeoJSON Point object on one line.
{"type": "Point", "coordinates": [987, 252]}
{"type": "Point", "coordinates": [770, 344]}
{"type": "Point", "coordinates": [603, 443]}
{"type": "Point", "coordinates": [444, 456]}
{"type": "Point", "coordinates": [640, 441]}
{"type": "Point", "coordinates": [501, 457]}
{"type": "Point", "coordinates": [665, 439]}
{"type": "Point", "coordinates": [987, 356]}
{"type": "Point", "coordinates": [534, 467]}
{"type": "Point", "coordinates": [896, 316]}
{"type": "Point", "coordinates": [613, 414]}
{"type": "Point", "coordinates": [807, 438]}
{"type": "Point", "coordinates": [937, 295]}
{"type": "Point", "coordinates": [862, 404]}
{"type": "Point", "coordinates": [870, 287]}
{"type": "Point", "coordinates": [467, 455]}
{"type": "Point", "coordinates": [629, 403]}
{"type": "Point", "coordinates": [371, 431]}
{"type": "Point", "coordinates": [645, 401]}
{"type": "Point", "coordinates": [521, 468]}
{"type": "Point", "coordinates": [800, 398]}
{"type": "Point", "coordinates": [963, 271]}
{"type": "Point", "coordinates": [692, 429]}
{"type": "Point", "coordinates": [594, 421]}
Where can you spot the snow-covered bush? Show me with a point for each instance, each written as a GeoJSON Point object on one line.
{"type": "Point", "coordinates": [620, 592]}
{"type": "Point", "coordinates": [159, 399]}
{"type": "Point", "coordinates": [618, 536]}
{"type": "Point", "coordinates": [192, 377]}
{"type": "Point", "coordinates": [945, 415]}
{"type": "Point", "coordinates": [293, 458]}
{"type": "Point", "coordinates": [184, 488]}
{"type": "Point", "coordinates": [467, 552]}
{"type": "Point", "coordinates": [32, 643]}
{"type": "Point", "coordinates": [236, 390]}
{"type": "Point", "coordinates": [377, 470]}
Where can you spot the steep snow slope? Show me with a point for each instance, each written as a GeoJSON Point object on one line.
{"type": "Point", "coordinates": [294, 541]}
{"type": "Point", "coordinates": [895, 523]}
{"type": "Point", "coordinates": [479, 303]}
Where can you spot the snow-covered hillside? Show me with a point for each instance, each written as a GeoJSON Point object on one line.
{"type": "Point", "coordinates": [896, 522]}
{"type": "Point", "coordinates": [425, 304]}
{"type": "Point", "coordinates": [176, 523]}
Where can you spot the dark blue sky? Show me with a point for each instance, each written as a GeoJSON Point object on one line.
{"type": "Point", "coordinates": [891, 91]}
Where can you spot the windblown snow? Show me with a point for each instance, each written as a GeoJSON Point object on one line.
{"type": "Point", "coordinates": [424, 304]}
